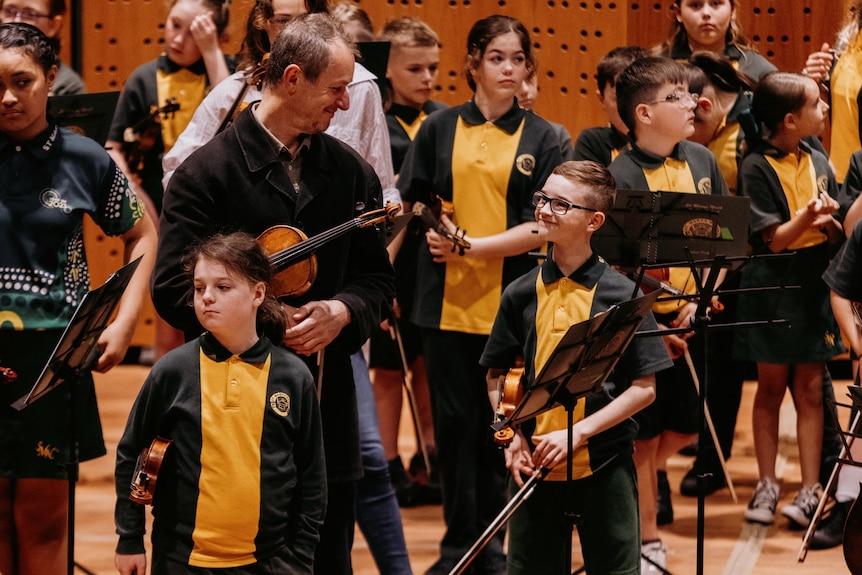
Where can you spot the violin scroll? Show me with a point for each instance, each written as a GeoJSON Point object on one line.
{"type": "Point", "coordinates": [510, 393]}
{"type": "Point", "coordinates": [432, 222]}
{"type": "Point", "coordinates": [7, 375]}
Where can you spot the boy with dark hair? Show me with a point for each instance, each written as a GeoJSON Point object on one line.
{"type": "Point", "coordinates": [605, 143]}
{"type": "Point", "coordinates": [654, 103]}
{"type": "Point", "coordinates": [572, 285]}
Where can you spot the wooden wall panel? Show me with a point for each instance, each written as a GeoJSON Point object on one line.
{"type": "Point", "coordinates": [570, 36]}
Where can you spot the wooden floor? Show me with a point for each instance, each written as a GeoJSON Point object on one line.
{"type": "Point", "coordinates": [731, 545]}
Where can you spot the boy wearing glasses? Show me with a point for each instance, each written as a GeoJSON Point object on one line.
{"type": "Point", "coordinates": [572, 285]}
{"type": "Point", "coordinates": [654, 102]}
{"type": "Point", "coordinates": [47, 16]}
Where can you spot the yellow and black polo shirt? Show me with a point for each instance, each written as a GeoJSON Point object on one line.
{"type": "Point", "coordinates": [536, 311]}
{"type": "Point", "coordinates": [601, 145]}
{"type": "Point", "coordinates": [245, 474]}
{"type": "Point", "coordinates": [488, 170]}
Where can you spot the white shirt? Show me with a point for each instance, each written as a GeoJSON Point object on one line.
{"type": "Point", "coordinates": [362, 126]}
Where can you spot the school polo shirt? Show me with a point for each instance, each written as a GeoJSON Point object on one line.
{"type": "Point", "coordinates": [49, 183]}
{"type": "Point", "coordinates": [779, 184]}
{"type": "Point", "coordinates": [244, 476]}
{"type": "Point", "coordinates": [846, 92]}
{"type": "Point", "coordinates": [601, 145]}
{"type": "Point", "coordinates": [536, 311]}
{"type": "Point", "coordinates": [690, 168]}
{"type": "Point", "coordinates": [844, 274]}
{"type": "Point", "coordinates": [725, 143]}
{"type": "Point", "coordinates": [488, 170]}
{"type": "Point", "coordinates": [403, 123]}
{"type": "Point", "coordinates": [750, 63]}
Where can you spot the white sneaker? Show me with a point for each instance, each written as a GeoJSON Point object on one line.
{"type": "Point", "coordinates": [761, 508]}
{"type": "Point", "coordinates": [801, 511]}
{"type": "Point", "coordinates": [653, 558]}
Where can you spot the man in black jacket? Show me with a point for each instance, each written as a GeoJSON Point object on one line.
{"type": "Point", "coordinates": [274, 166]}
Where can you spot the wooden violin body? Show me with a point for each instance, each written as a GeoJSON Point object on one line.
{"type": "Point", "coordinates": [147, 471]}
{"type": "Point", "coordinates": [511, 392]}
{"type": "Point", "coordinates": [292, 253]}
{"type": "Point", "coordinates": [141, 137]}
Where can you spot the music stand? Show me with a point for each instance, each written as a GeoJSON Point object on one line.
{"type": "Point", "coordinates": [74, 354]}
{"type": "Point", "coordinates": [661, 228]}
{"type": "Point", "coordinates": [578, 366]}
{"type": "Point", "coordinates": [85, 114]}
{"type": "Point", "coordinates": [646, 227]}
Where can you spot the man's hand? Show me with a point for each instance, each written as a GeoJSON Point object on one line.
{"type": "Point", "coordinates": [315, 325]}
{"type": "Point", "coordinates": [131, 564]}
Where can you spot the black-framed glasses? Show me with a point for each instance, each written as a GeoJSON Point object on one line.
{"type": "Point", "coordinates": [682, 99]}
{"type": "Point", "coordinates": [558, 206]}
{"type": "Point", "coordinates": [11, 14]}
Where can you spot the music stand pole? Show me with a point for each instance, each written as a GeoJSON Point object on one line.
{"type": "Point", "coordinates": [571, 516]}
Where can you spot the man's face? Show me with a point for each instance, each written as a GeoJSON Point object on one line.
{"type": "Point", "coordinates": [318, 101]}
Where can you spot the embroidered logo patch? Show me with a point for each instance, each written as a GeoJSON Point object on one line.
{"type": "Point", "coordinates": [280, 403]}
{"type": "Point", "coordinates": [704, 186]}
{"type": "Point", "coordinates": [46, 451]}
{"type": "Point", "coordinates": [51, 199]}
{"type": "Point", "coordinates": [823, 184]}
{"type": "Point", "coordinates": [525, 163]}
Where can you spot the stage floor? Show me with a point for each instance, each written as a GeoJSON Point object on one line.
{"type": "Point", "coordinates": [731, 545]}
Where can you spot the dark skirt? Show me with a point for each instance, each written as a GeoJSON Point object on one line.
{"type": "Point", "coordinates": [35, 441]}
{"type": "Point", "coordinates": [810, 333]}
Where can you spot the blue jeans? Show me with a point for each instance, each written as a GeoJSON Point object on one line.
{"type": "Point", "coordinates": [377, 511]}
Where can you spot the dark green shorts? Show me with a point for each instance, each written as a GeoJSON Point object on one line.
{"type": "Point", "coordinates": [606, 505]}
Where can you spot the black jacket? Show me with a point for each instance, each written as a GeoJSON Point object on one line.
{"type": "Point", "coordinates": [238, 182]}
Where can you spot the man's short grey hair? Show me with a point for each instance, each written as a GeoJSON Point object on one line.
{"type": "Point", "coordinates": [306, 41]}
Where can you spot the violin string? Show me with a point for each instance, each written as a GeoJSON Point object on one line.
{"type": "Point", "coordinates": [288, 256]}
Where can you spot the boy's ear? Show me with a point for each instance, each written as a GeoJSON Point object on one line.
{"type": "Point", "coordinates": [596, 221]}
{"type": "Point", "coordinates": [600, 96]}
{"type": "Point", "coordinates": [705, 104]}
{"type": "Point", "coordinates": [643, 114]}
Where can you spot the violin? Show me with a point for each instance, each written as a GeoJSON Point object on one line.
{"type": "Point", "coordinates": [657, 279]}
{"type": "Point", "coordinates": [256, 80]}
{"type": "Point", "coordinates": [510, 392]}
{"type": "Point", "coordinates": [140, 138]}
{"type": "Point", "coordinates": [146, 473]}
{"type": "Point", "coordinates": [432, 221]}
{"type": "Point", "coordinates": [292, 253]}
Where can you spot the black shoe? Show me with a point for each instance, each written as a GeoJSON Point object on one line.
{"type": "Point", "coordinates": [830, 531]}
{"type": "Point", "coordinates": [406, 491]}
{"type": "Point", "coordinates": [664, 514]}
{"type": "Point", "coordinates": [712, 482]}
{"type": "Point", "coordinates": [427, 487]}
